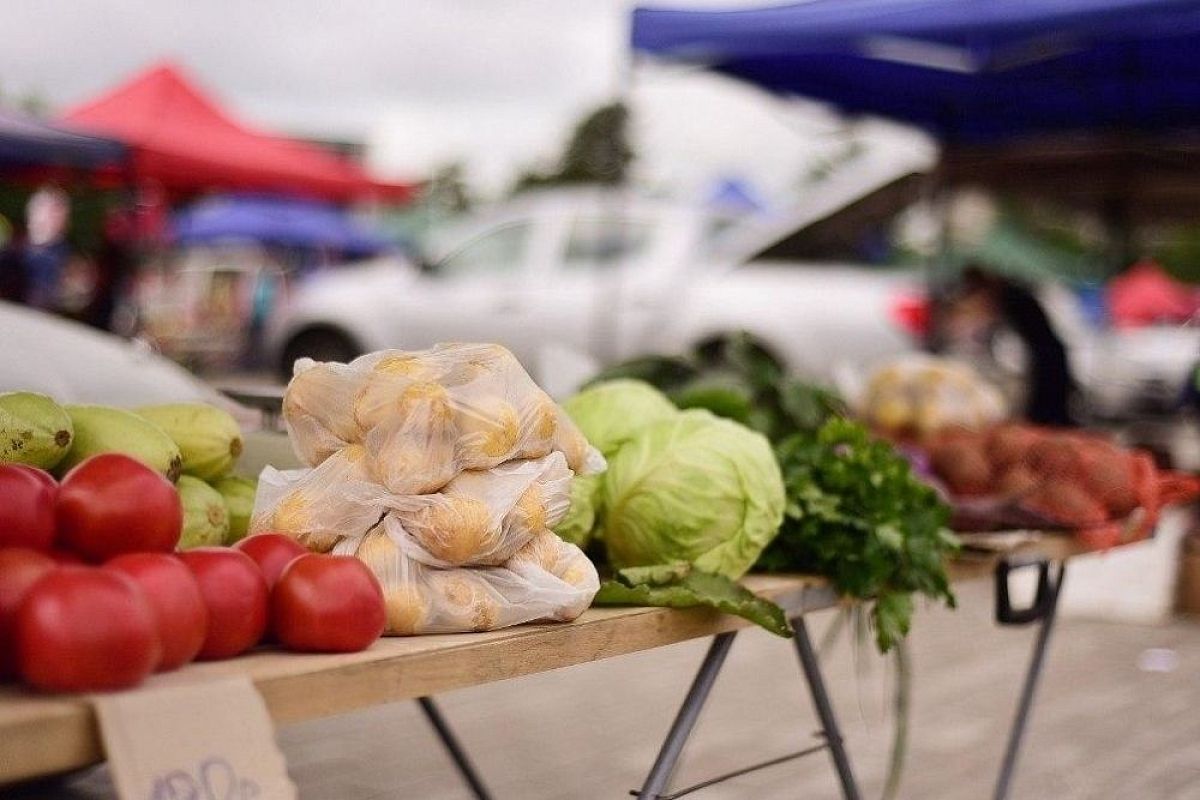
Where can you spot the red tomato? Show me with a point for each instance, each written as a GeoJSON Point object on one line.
{"type": "Point", "coordinates": [180, 615]}
{"type": "Point", "coordinates": [272, 552]}
{"type": "Point", "coordinates": [41, 475]}
{"type": "Point", "coordinates": [113, 504]}
{"type": "Point", "coordinates": [327, 604]}
{"type": "Point", "coordinates": [20, 569]}
{"type": "Point", "coordinates": [65, 557]}
{"type": "Point", "coordinates": [236, 595]}
{"type": "Point", "coordinates": [27, 513]}
{"type": "Point", "coordinates": [83, 629]}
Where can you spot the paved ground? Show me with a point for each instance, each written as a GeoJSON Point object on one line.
{"type": "Point", "coordinates": [1104, 728]}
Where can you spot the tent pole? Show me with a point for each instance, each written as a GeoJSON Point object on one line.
{"type": "Point", "coordinates": [605, 333]}
{"type": "Point", "coordinates": [938, 196]}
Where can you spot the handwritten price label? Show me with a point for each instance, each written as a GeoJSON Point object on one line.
{"type": "Point", "coordinates": [205, 741]}
{"type": "Point", "coordinates": [213, 779]}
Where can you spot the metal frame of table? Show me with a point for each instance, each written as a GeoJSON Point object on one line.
{"type": "Point", "coordinates": [1043, 611]}
{"type": "Point", "coordinates": [42, 735]}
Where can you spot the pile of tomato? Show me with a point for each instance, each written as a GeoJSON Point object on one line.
{"type": "Point", "coordinates": [93, 596]}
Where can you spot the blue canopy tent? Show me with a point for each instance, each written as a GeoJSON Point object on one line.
{"type": "Point", "coordinates": [734, 196]}
{"type": "Point", "coordinates": [285, 222]}
{"type": "Point", "coordinates": [964, 70]}
{"type": "Point", "coordinates": [28, 143]}
{"type": "Point", "coordinates": [1094, 103]}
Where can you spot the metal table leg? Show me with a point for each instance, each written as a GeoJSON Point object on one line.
{"type": "Point", "coordinates": [829, 725]}
{"type": "Point", "coordinates": [1048, 591]}
{"type": "Point", "coordinates": [685, 720]}
{"type": "Point", "coordinates": [454, 748]}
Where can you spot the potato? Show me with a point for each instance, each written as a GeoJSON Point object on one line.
{"type": "Point", "coordinates": [324, 392]}
{"type": "Point", "coordinates": [412, 461]}
{"type": "Point", "coordinates": [961, 463]}
{"type": "Point", "coordinates": [529, 514]}
{"type": "Point", "coordinates": [466, 597]}
{"type": "Point", "coordinates": [488, 430]}
{"type": "Point", "coordinates": [893, 412]}
{"type": "Point", "coordinates": [453, 529]}
{"type": "Point", "coordinates": [293, 514]}
{"type": "Point", "coordinates": [319, 541]}
{"type": "Point", "coordinates": [1055, 456]}
{"type": "Point", "coordinates": [1018, 480]}
{"type": "Point", "coordinates": [397, 401]}
{"type": "Point", "coordinates": [408, 607]}
{"type": "Point", "coordinates": [572, 444]}
{"type": "Point", "coordinates": [414, 366]}
{"type": "Point", "coordinates": [1066, 504]}
{"type": "Point", "coordinates": [543, 550]}
{"type": "Point", "coordinates": [541, 418]}
{"type": "Point", "coordinates": [1010, 444]}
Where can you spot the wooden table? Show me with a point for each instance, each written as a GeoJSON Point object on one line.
{"type": "Point", "coordinates": [44, 735]}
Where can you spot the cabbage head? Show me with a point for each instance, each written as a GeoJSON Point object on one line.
{"type": "Point", "coordinates": [612, 412]}
{"type": "Point", "coordinates": [580, 522]}
{"type": "Point", "coordinates": [694, 488]}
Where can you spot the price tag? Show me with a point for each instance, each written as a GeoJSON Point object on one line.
{"type": "Point", "coordinates": [207, 741]}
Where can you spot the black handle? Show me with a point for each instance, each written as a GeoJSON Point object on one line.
{"type": "Point", "coordinates": [1043, 599]}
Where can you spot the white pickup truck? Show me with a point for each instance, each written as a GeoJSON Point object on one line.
{"type": "Point", "coordinates": [610, 276]}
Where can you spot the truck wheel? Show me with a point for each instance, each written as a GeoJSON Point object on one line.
{"type": "Point", "coordinates": [737, 347]}
{"type": "Point", "coordinates": [319, 344]}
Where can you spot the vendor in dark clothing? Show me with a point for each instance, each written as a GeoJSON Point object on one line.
{"type": "Point", "coordinates": [1003, 302]}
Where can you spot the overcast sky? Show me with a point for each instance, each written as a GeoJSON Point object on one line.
{"type": "Point", "coordinates": [496, 83]}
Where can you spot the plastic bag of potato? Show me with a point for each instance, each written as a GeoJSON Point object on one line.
{"type": "Point", "coordinates": [922, 395]}
{"type": "Point", "coordinates": [480, 518]}
{"type": "Point", "coordinates": [424, 416]}
{"type": "Point", "coordinates": [443, 470]}
{"type": "Point", "coordinates": [318, 507]}
{"type": "Point", "coordinates": [483, 517]}
{"type": "Point", "coordinates": [547, 579]}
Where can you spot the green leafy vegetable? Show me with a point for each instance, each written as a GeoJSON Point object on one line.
{"type": "Point", "coordinates": [578, 526]}
{"type": "Point", "coordinates": [724, 396]}
{"type": "Point", "coordinates": [737, 378]}
{"type": "Point", "coordinates": [679, 586]}
{"type": "Point", "coordinates": [692, 488]}
{"type": "Point", "coordinates": [612, 412]}
{"type": "Point", "coordinates": [857, 514]}
{"type": "Point", "coordinates": [609, 414]}
{"type": "Point", "coordinates": [665, 372]}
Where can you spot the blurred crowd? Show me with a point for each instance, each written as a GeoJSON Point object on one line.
{"type": "Point", "coordinates": [39, 266]}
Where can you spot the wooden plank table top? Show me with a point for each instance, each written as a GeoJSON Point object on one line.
{"type": "Point", "coordinates": [43, 735]}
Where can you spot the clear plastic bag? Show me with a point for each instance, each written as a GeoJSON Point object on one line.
{"type": "Point", "coordinates": [922, 395]}
{"type": "Point", "coordinates": [481, 518]}
{"type": "Point", "coordinates": [424, 416]}
{"type": "Point", "coordinates": [423, 599]}
{"type": "Point", "coordinates": [320, 506]}
{"type": "Point", "coordinates": [318, 409]}
{"type": "Point", "coordinates": [546, 552]}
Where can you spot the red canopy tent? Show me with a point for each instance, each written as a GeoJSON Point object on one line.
{"type": "Point", "coordinates": [187, 143]}
{"type": "Point", "coordinates": [1145, 294]}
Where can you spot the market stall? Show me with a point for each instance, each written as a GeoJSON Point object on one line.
{"type": "Point", "coordinates": [446, 501]}
{"type": "Point", "coordinates": [1091, 105]}
{"type": "Point", "coordinates": [48, 735]}
{"type": "Point", "coordinates": [1088, 103]}
{"type": "Point", "coordinates": [30, 144]}
{"type": "Point", "coordinates": [183, 141]}
{"type": "Point", "coordinates": [271, 220]}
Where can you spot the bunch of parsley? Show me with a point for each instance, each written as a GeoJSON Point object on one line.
{"type": "Point", "coordinates": [857, 515]}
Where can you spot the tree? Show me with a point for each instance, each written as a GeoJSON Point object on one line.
{"type": "Point", "coordinates": [31, 103]}
{"type": "Point", "coordinates": [447, 189]}
{"type": "Point", "coordinates": [597, 152]}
